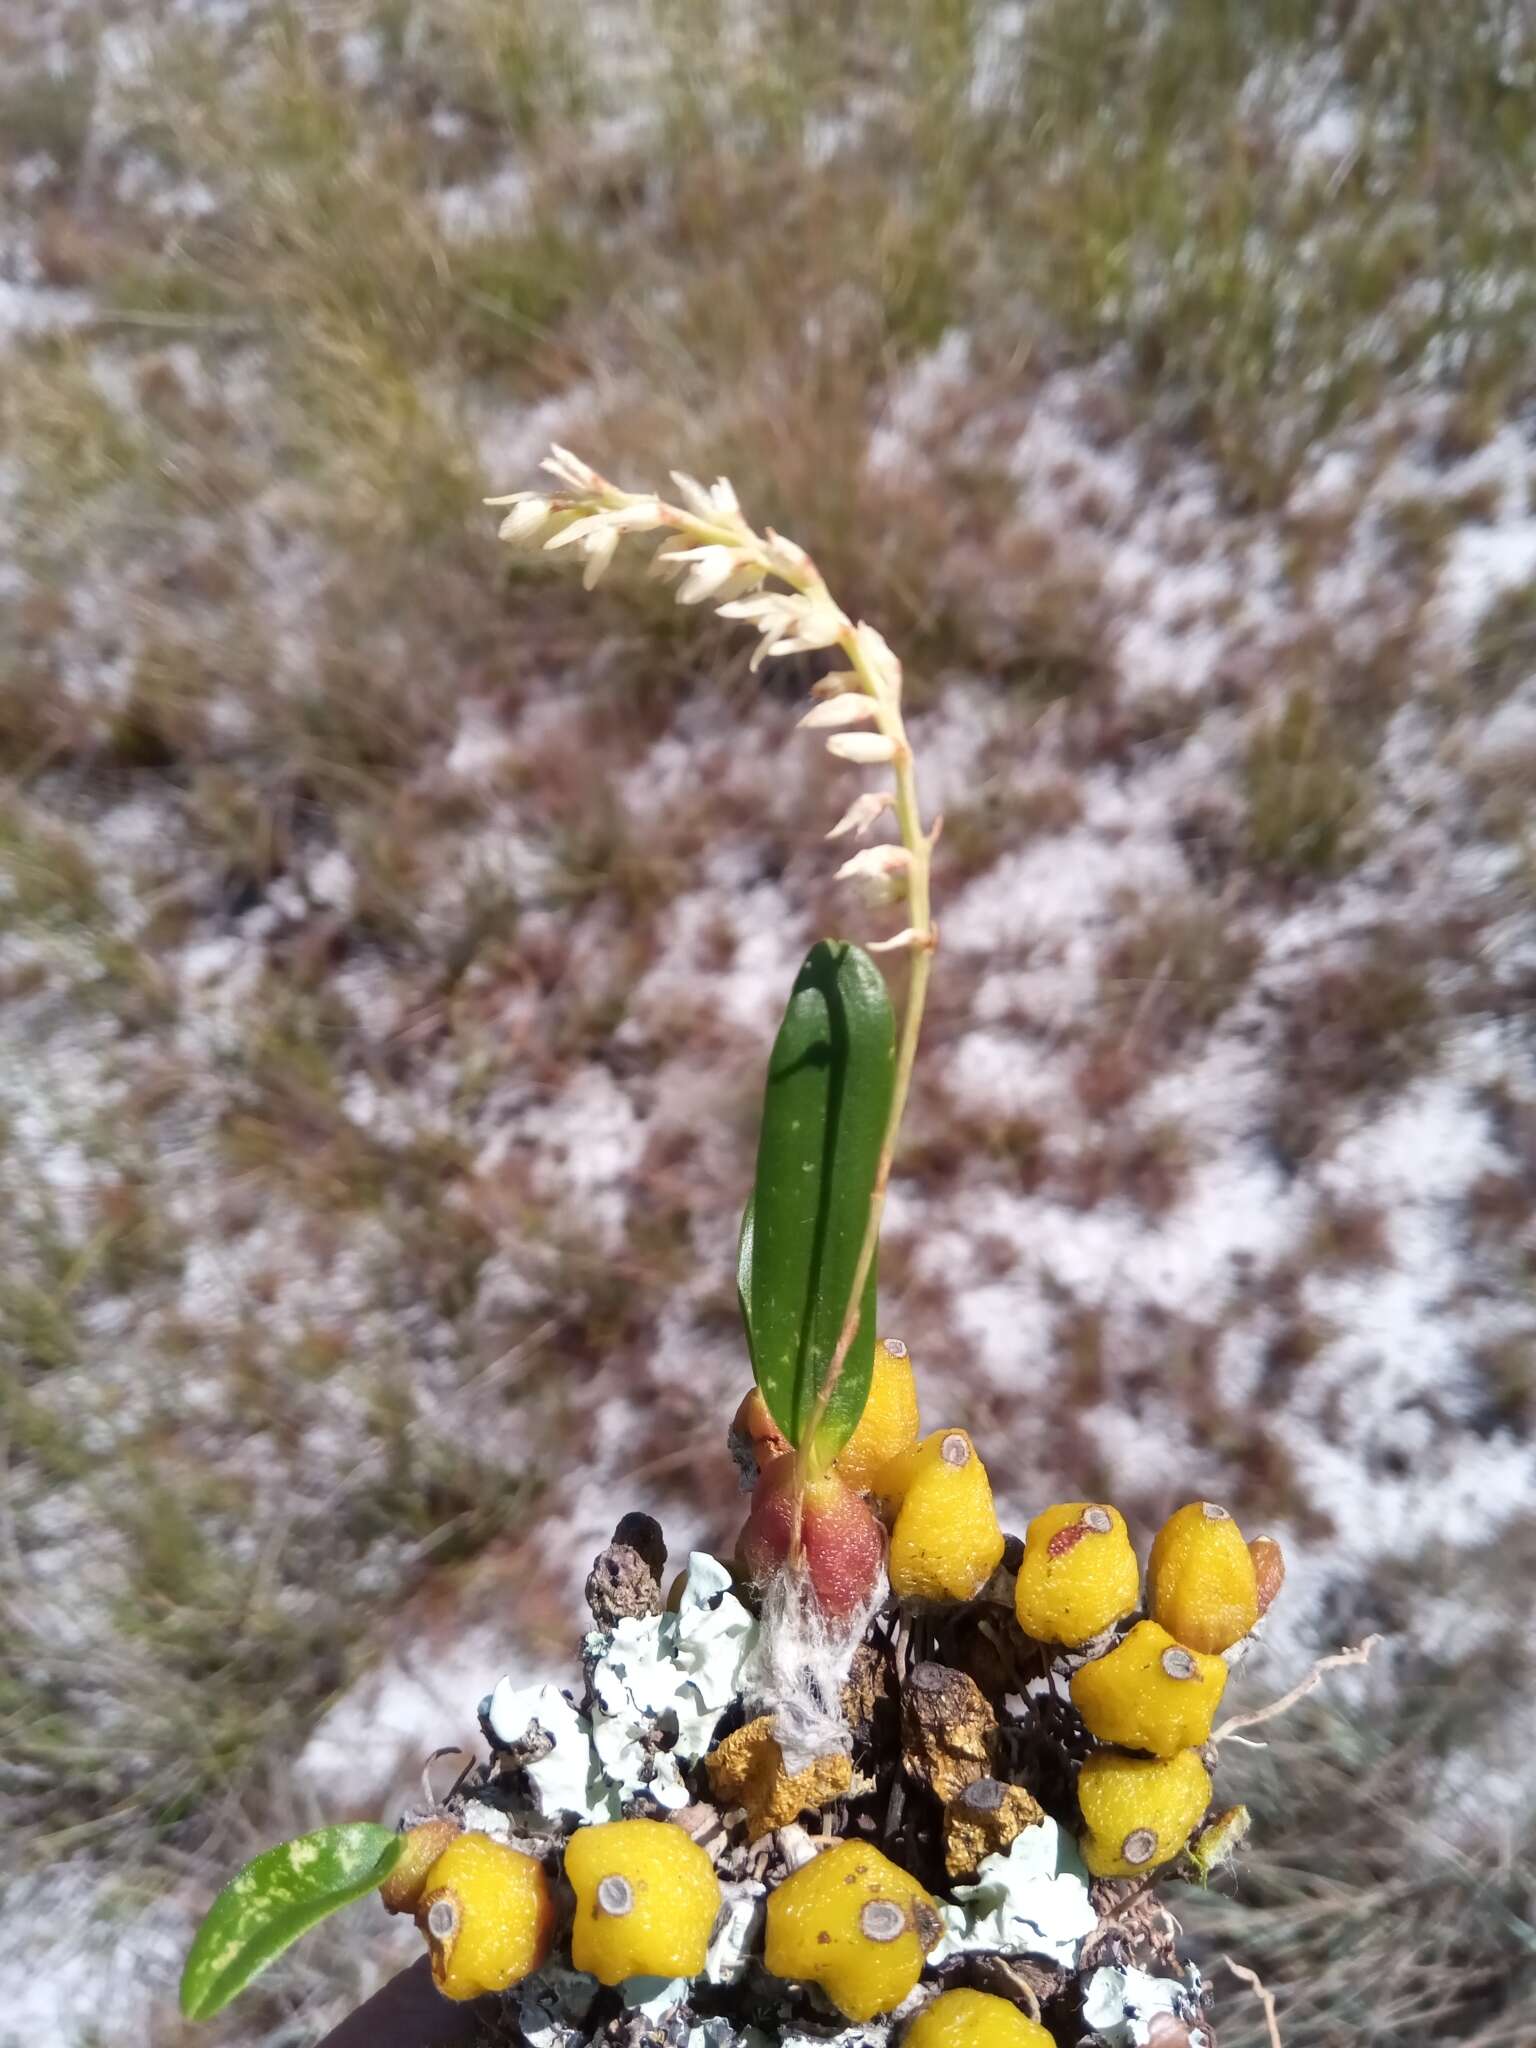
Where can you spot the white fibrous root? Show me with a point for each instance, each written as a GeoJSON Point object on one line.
{"type": "Point", "coordinates": [798, 1666]}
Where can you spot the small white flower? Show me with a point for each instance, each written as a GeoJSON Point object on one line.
{"type": "Point", "coordinates": [527, 519]}
{"type": "Point", "coordinates": [875, 860]}
{"type": "Point", "coordinates": [692, 493]}
{"type": "Point", "coordinates": [676, 558]}
{"type": "Point", "coordinates": [570, 469]}
{"type": "Point", "coordinates": [716, 505]}
{"type": "Point", "coordinates": [786, 622]}
{"type": "Point", "coordinates": [748, 577]}
{"type": "Point", "coordinates": [597, 534]}
{"type": "Point", "coordinates": [879, 659]}
{"type": "Point", "coordinates": [881, 869]}
{"type": "Point", "coordinates": [908, 941]}
{"type": "Point", "coordinates": [862, 812]}
{"type": "Point", "coordinates": [638, 516]}
{"type": "Point", "coordinates": [846, 710]}
{"type": "Point", "coordinates": [766, 612]}
{"type": "Point", "coordinates": [709, 569]}
{"type": "Point", "coordinates": [868, 749]}
{"type": "Point", "coordinates": [671, 557]}
{"type": "Point", "coordinates": [785, 555]}
{"type": "Point", "coordinates": [836, 681]}
{"type": "Point", "coordinates": [581, 530]}
{"type": "Point", "coordinates": [599, 550]}
{"type": "Point", "coordinates": [819, 624]}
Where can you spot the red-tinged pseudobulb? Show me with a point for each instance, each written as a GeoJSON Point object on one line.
{"type": "Point", "coordinates": [755, 1438]}
{"type": "Point", "coordinates": [841, 1538]}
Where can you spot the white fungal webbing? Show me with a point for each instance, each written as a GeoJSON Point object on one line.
{"type": "Point", "coordinates": [798, 1668]}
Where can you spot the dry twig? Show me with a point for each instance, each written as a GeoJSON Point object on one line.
{"type": "Point", "coordinates": [1361, 1654]}
{"type": "Point", "coordinates": [1266, 1998]}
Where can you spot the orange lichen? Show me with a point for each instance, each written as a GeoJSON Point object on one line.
{"type": "Point", "coordinates": [985, 1820]}
{"type": "Point", "coordinates": [948, 1729]}
{"type": "Point", "coordinates": [747, 1770]}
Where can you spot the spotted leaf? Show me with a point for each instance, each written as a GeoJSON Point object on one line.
{"type": "Point", "coordinates": [275, 1899]}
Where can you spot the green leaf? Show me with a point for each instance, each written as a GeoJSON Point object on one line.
{"type": "Point", "coordinates": [744, 1279]}
{"type": "Point", "coordinates": [825, 1106]}
{"type": "Point", "coordinates": [275, 1899]}
{"type": "Point", "coordinates": [847, 1405]}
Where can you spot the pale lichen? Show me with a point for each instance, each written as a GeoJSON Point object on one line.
{"type": "Point", "coordinates": [659, 1686]}
{"type": "Point", "coordinates": [1120, 2005]}
{"type": "Point", "coordinates": [1033, 1901]}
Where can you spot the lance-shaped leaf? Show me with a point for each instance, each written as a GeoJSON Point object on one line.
{"type": "Point", "coordinates": [744, 1279]}
{"type": "Point", "coordinates": [853, 1391]}
{"type": "Point", "coordinates": [275, 1899]}
{"type": "Point", "coordinates": [825, 1106]}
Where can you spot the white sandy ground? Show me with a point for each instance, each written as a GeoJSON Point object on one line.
{"type": "Point", "coordinates": [1377, 1425]}
{"type": "Point", "coordinates": [1393, 1377]}
{"type": "Point", "coordinates": [1383, 1427]}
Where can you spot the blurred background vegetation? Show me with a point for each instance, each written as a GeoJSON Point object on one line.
{"type": "Point", "coordinates": [389, 936]}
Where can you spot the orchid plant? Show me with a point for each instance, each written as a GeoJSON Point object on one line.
{"type": "Point", "coordinates": [837, 1086]}
{"type": "Point", "coordinates": [731, 1715]}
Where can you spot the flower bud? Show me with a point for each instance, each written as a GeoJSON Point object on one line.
{"type": "Point", "coordinates": [1079, 1573]}
{"type": "Point", "coordinates": [1268, 1569]}
{"type": "Point", "coordinates": [401, 1890]}
{"type": "Point", "coordinates": [855, 1923]}
{"type": "Point", "coordinates": [487, 1915]}
{"type": "Point", "coordinates": [974, 2019]}
{"type": "Point", "coordinates": [754, 1439]}
{"type": "Point", "coordinates": [1201, 1581]}
{"type": "Point", "coordinates": [1139, 1812]}
{"type": "Point", "coordinates": [646, 1900]}
{"type": "Point", "coordinates": [889, 1424]}
{"type": "Point", "coordinates": [866, 749]}
{"type": "Point", "coordinates": [1150, 1693]}
{"type": "Point", "coordinates": [947, 1541]}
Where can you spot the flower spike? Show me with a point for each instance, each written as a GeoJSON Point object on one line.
{"type": "Point", "coordinates": [771, 584]}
